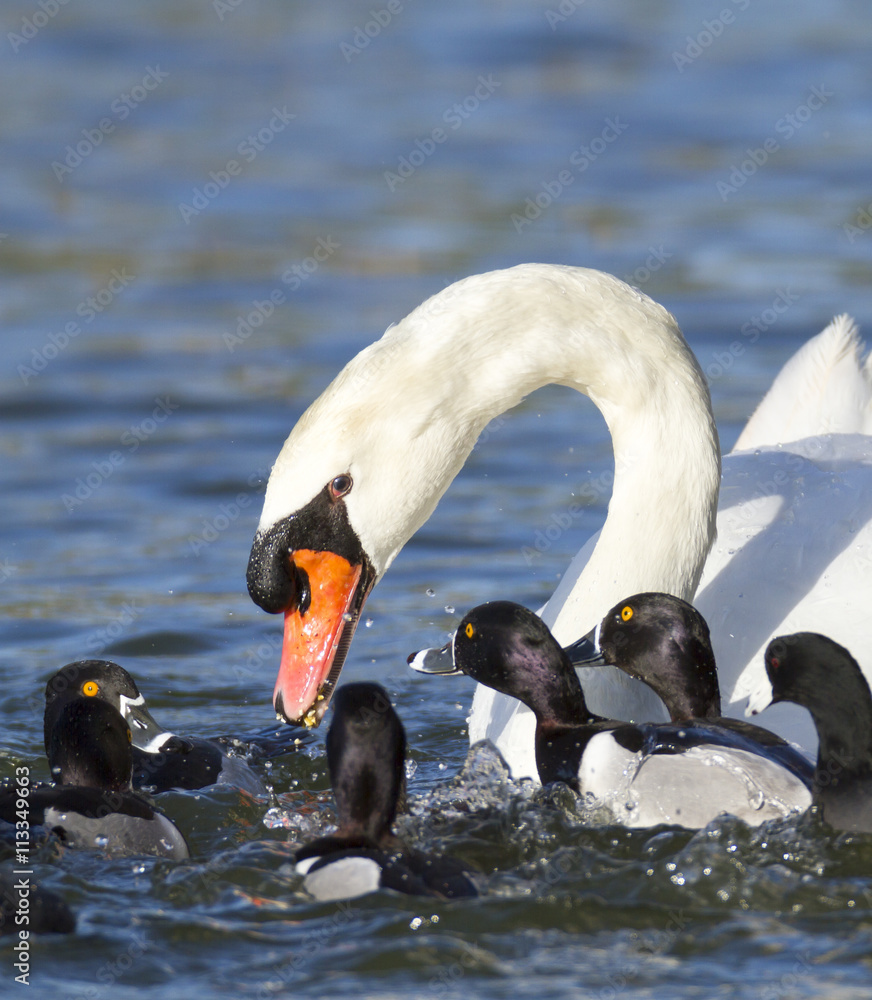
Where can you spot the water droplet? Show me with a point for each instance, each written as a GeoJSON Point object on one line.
{"type": "Point", "coordinates": [449, 609]}
{"type": "Point", "coordinates": [101, 841]}
{"type": "Point", "coordinates": [431, 592]}
{"type": "Point", "coordinates": [416, 922]}
{"type": "Point", "coordinates": [368, 623]}
{"type": "Point", "coordinates": [276, 819]}
{"type": "Point", "coordinates": [348, 617]}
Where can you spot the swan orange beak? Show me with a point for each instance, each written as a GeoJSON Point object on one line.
{"type": "Point", "coordinates": [318, 632]}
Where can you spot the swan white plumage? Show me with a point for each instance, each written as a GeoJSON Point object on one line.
{"type": "Point", "coordinates": [368, 461]}
{"type": "Point", "coordinates": [825, 388]}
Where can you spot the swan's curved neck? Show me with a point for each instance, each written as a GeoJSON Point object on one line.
{"type": "Point", "coordinates": [408, 410]}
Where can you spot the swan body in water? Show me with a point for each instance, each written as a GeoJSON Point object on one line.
{"type": "Point", "coordinates": [367, 462]}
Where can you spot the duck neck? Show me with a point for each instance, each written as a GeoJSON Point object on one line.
{"type": "Point", "coordinates": [559, 702]}
{"type": "Point", "coordinates": [844, 746]}
{"type": "Point", "coordinates": [685, 707]}
{"type": "Point", "coordinates": [697, 694]}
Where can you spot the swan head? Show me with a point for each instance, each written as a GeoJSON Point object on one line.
{"type": "Point", "coordinates": [361, 471]}
{"type": "Point", "coordinates": [311, 566]}
{"type": "Point", "coordinates": [367, 463]}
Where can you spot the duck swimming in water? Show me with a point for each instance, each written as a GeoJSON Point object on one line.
{"type": "Point", "coordinates": [817, 673]}
{"type": "Point", "coordinates": [664, 642]}
{"type": "Point", "coordinates": [684, 773]}
{"type": "Point", "coordinates": [161, 760]}
{"type": "Point", "coordinates": [366, 748]}
{"type": "Point", "coordinates": [92, 803]}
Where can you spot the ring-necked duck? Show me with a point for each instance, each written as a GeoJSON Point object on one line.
{"type": "Point", "coordinates": [811, 670]}
{"type": "Point", "coordinates": [92, 804]}
{"type": "Point", "coordinates": [366, 747]}
{"type": "Point", "coordinates": [664, 642]}
{"type": "Point", "coordinates": [647, 774]}
{"type": "Point", "coordinates": [161, 760]}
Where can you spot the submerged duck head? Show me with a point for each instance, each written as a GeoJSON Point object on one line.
{"type": "Point", "coordinates": [89, 746]}
{"type": "Point", "coordinates": [366, 749]}
{"type": "Point", "coordinates": [661, 640]}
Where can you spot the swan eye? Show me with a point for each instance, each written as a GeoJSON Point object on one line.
{"type": "Point", "coordinates": [340, 486]}
{"type": "Point", "coordinates": [626, 613]}
{"type": "Point", "coordinates": [90, 688]}
{"type": "Point", "coordinates": [469, 630]}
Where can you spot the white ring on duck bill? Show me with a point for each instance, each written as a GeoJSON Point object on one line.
{"type": "Point", "coordinates": [156, 743]}
{"type": "Point", "coordinates": [125, 703]}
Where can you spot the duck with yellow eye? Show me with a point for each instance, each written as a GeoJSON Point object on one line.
{"type": "Point", "coordinates": [636, 774]}
{"type": "Point", "coordinates": [664, 642]}
{"type": "Point", "coordinates": [92, 804]}
{"type": "Point", "coordinates": [161, 759]}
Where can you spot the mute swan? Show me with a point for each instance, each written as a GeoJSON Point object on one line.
{"type": "Point", "coordinates": [367, 462]}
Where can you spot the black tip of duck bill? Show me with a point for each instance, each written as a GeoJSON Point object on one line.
{"type": "Point", "coordinates": [434, 661]}
{"type": "Point", "coordinates": [585, 652]}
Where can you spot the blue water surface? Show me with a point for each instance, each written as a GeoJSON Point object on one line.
{"type": "Point", "coordinates": [207, 208]}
